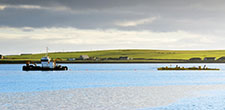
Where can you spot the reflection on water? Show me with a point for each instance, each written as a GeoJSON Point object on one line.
{"type": "Point", "coordinates": [212, 101]}
{"type": "Point", "coordinates": [13, 79]}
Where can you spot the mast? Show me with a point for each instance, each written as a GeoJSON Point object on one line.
{"type": "Point", "coordinates": [46, 51]}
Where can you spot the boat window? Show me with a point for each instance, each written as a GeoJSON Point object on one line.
{"type": "Point", "coordinates": [44, 60]}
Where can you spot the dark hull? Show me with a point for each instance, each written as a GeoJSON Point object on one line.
{"type": "Point", "coordinates": [38, 68]}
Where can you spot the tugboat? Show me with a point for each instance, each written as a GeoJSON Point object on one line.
{"type": "Point", "coordinates": [46, 65]}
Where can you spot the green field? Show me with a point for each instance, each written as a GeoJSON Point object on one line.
{"type": "Point", "coordinates": [132, 53]}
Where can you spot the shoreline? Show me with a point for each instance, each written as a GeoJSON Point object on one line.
{"type": "Point", "coordinates": [106, 62]}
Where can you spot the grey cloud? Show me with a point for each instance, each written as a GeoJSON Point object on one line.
{"type": "Point", "coordinates": [191, 15]}
{"type": "Point", "coordinates": [104, 4]}
{"type": "Point", "coordinates": [204, 17]}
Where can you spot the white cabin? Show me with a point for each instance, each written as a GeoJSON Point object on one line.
{"type": "Point", "coordinates": [47, 63]}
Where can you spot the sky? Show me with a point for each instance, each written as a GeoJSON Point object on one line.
{"type": "Point", "coordinates": [29, 26]}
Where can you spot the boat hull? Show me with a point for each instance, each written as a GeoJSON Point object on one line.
{"type": "Point", "coordinates": [38, 68]}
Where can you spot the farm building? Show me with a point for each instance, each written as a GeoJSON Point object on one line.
{"type": "Point", "coordinates": [124, 58]}
{"type": "Point", "coordinates": [112, 58]}
{"type": "Point", "coordinates": [139, 59]}
{"type": "Point", "coordinates": [221, 59]}
{"type": "Point", "coordinates": [84, 57]}
{"type": "Point", "coordinates": [71, 59]}
{"type": "Point", "coordinates": [209, 58]}
{"type": "Point", "coordinates": [26, 54]}
{"type": "Point", "coordinates": [195, 59]}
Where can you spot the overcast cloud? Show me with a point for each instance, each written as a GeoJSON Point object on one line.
{"type": "Point", "coordinates": [71, 25]}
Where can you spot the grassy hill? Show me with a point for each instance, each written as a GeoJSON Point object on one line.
{"type": "Point", "coordinates": [132, 53]}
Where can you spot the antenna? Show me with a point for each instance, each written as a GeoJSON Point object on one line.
{"type": "Point", "coordinates": [46, 51]}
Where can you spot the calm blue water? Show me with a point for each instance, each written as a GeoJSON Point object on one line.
{"type": "Point", "coordinates": [208, 100]}
{"type": "Point", "coordinates": [13, 79]}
